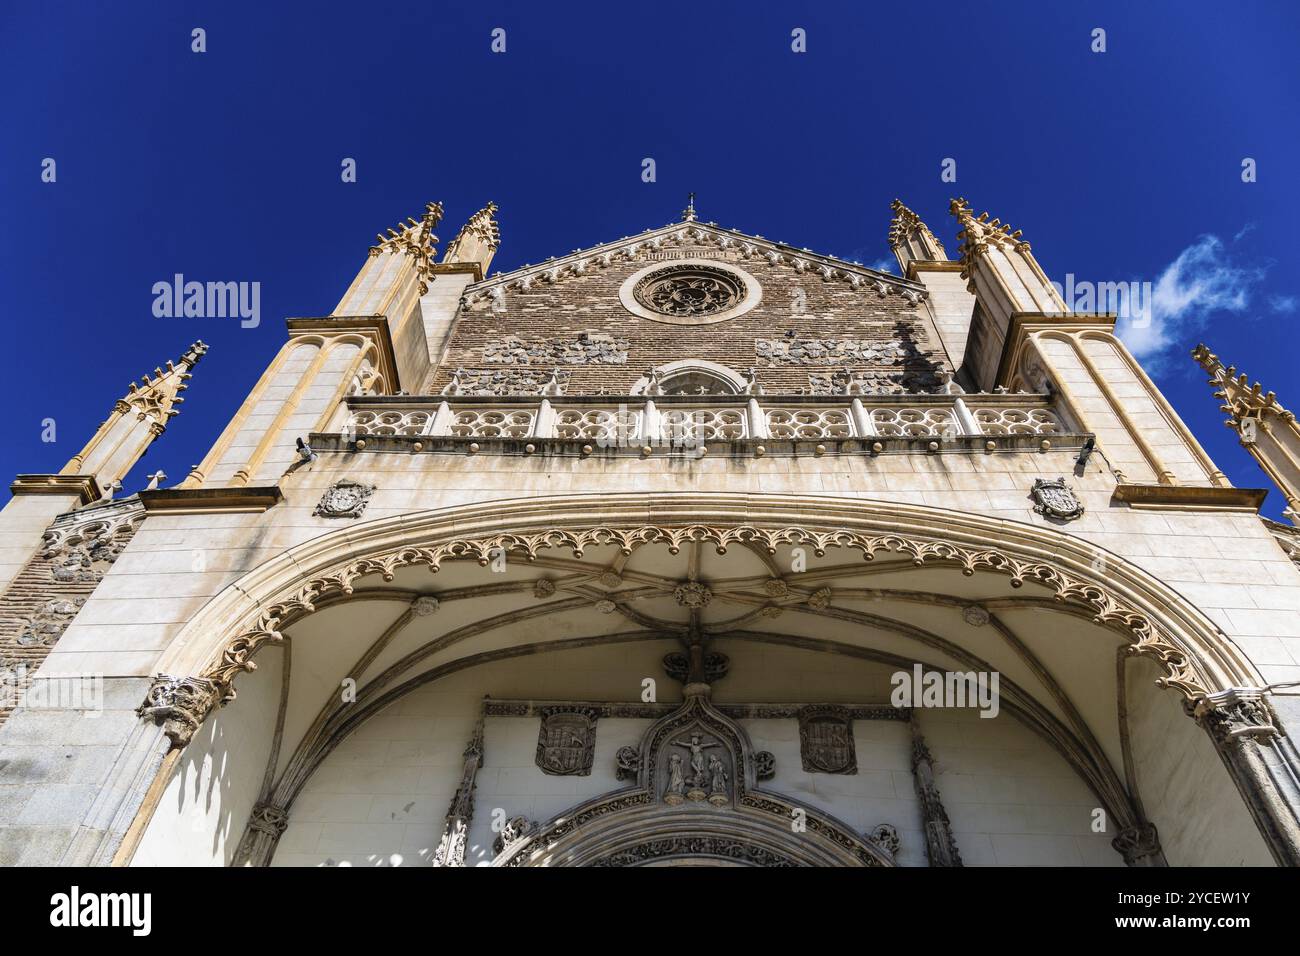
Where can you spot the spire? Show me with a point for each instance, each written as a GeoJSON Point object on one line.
{"type": "Point", "coordinates": [688, 214]}
{"type": "Point", "coordinates": [414, 239]}
{"type": "Point", "coordinates": [1266, 429]}
{"type": "Point", "coordinates": [139, 417]}
{"type": "Point", "coordinates": [980, 233]}
{"type": "Point", "coordinates": [477, 240]}
{"type": "Point", "coordinates": [911, 239]}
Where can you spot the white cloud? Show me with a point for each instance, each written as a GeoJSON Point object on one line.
{"type": "Point", "coordinates": [1203, 279]}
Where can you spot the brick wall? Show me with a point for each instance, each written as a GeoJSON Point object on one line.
{"type": "Point", "coordinates": [552, 313]}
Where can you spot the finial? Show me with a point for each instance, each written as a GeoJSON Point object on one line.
{"type": "Point", "coordinates": [688, 214]}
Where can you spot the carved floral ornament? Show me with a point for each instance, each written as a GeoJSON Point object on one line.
{"type": "Point", "coordinates": [183, 703]}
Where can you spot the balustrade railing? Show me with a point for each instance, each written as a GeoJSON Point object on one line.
{"type": "Point", "coordinates": [705, 419]}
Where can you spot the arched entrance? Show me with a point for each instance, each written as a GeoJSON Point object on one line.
{"type": "Point", "coordinates": [896, 585]}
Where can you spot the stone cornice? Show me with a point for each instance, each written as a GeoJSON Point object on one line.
{"type": "Point", "coordinates": [83, 486]}
{"type": "Point", "coordinates": [201, 501]}
{"type": "Point", "coordinates": [931, 265]}
{"type": "Point", "coordinates": [1190, 497]}
{"type": "Point", "coordinates": [373, 327]}
{"type": "Point", "coordinates": [458, 268]}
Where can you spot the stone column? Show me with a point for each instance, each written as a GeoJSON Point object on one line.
{"type": "Point", "coordinates": [1262, 761]}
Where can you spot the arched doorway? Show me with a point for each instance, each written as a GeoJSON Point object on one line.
{"type": "Point", "coordinates": [949, 592]}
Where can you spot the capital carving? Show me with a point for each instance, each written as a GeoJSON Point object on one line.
{"type": "Point", "coordinates": [180, 705]}
{"type": "Point", "coordinates": [1234, 716]}
{"type": "Point", "coordinates": [269, 819]}
{"type": "Point", "coordinates": [1137, 843]}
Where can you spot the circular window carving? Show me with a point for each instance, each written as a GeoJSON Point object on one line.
{"type": "Point", "coordinates": [690, 292]}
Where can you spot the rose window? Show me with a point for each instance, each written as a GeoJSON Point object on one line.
{"type": "Point", "coordinates": [690, 291]}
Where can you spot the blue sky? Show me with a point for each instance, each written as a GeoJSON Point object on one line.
{"type": "Point", "coordinates": [1118, 166]}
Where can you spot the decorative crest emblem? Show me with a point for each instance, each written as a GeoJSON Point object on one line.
{"type": "Point", "coordinates": [826, 741]}
{"type": "Point", "coordinates": [566, 744]}
{"type": "Point", "coordinates": [344, 499]}
{"type": "Point", "coordinates": [1056, 499]}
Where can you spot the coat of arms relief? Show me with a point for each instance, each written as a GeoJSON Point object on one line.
{"type": "Point", "coordinates": [566, 743]}
{"type": "Point", "coordinates": [1056, 499]}
{"type": "Point", "coordinates": [344, 499]}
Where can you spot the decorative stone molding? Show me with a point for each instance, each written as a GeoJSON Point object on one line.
{"type": "Point", "coordinates": [180, 705]}
{"type": "Point", "coordinates": [504, 381]}
{"type": "Point", "coordinates": [886, 837]}
{"type": "Point", "coordinates": [736, 851]}
{"type": "Point", "coordinates": [84, 544]}
{"type": "Point", "coordinates": [764, 765]}
{"type": "Point", "coordinates": [678, 666]}
{"type": "Point", "coordinates": [826, 740]}
{"type": "Point", "coordinates": [424, 606]}
{"type": "Point", "coordinates": [823, 352]}
{"type": "Point", "coordinates": [344, 499]}
{"type": "Point", "coordinates": [49, 622]}
{"type": "Point", "coordinates": [1108, 609]}
{"type": "Point", "coordinates": [514, 830]}
{"type": "Point", "coordinates": [1053, 498]}
{"type": "Point", "coordinates": [975, 615]}
{"type": "Point", "coordinates": [627, 763]}
{"type": "Point", "coordinates": [589, 348]}
{"type": "Point", "coordinates": [693, 594]}
{"type": "Point", "coordinates": [1236, 716]}
{"type": "Point", "coordinates": [705, 242]}
{"type": "Point", "coordinates": [820, 599]}
{"type": "Point", "coordinates": [857, 382]}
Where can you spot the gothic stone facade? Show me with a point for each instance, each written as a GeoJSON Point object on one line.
{"type": "Point", "coordinates": [621, 559]}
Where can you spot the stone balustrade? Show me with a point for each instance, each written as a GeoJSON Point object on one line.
{"type": "Point", "coordinates": [694, 419]}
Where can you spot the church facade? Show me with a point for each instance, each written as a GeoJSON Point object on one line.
{"type": "Point", "coordinates": [688, 548]}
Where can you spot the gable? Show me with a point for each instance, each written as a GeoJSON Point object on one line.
{"type": "Point", "coordinates": [801, 321]}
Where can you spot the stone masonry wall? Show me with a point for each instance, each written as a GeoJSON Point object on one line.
{"type": "Point", "coordinates": [804, 325]}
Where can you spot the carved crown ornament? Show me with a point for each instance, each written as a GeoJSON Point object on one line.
{"type": "Point", "coordinates": [182, 703]}
{"type": "Point", "coordinates": [693, 235]}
